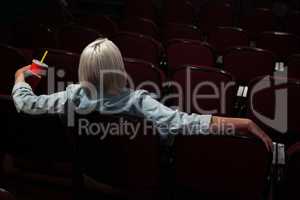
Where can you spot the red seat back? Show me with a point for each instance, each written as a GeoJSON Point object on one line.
{"type": "Point", "coordinates": [179, 12]}
{"type": "Point", "coordinates": [4, 195]}
{"type": "Point", "coordinates": [292, 175]}
{"type": "Point", "coordinates": [103, 24]}
{"type": "Point", "coordinates": [31, 35]}
{"type": "Point", "coordinates": [272, 104]}
{"type": "Point", "coordinates": [8, 117]}
{"type": "Point", "coordinates": [76, 38]}
{"type": "Point", "coordinates": [144, 9]}
{"type": "Point", "coordinates": [144, 75]}
{"type": "Point", "coordinates": [31, 139]}
{"type": "Point", "coordinates": [205, 90]}
{"type": "Point", "coordinates": [214, 14]}
{"type": "Point", "coordinates": [181, 31]}
{"type": "Point", "coordinates": [117, 160]}
{"type": "Point", "coordinates": [261, 20]}
{"type": "Point", "coordinates": [139, 46]}
{"type": "Point", "coordinates": [225, 37]}
{"type": "Point", "coordinates": [293, 64]}
{"type": "Point", "coordinates": [292, 21]}
{"type": "Point", "coordinates": [141, 25]}
{"type": "Point", "coordinates": [213, 167]}
{"type": "Point", "coordinates": [246, 63]}
{"type": "Point", "coordinates": [281, 44]}
{"type": "Point", "coordinates": [187, 52]}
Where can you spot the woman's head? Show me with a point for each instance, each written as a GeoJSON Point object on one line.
{"type": "Point", "coordinates": [101, 65]}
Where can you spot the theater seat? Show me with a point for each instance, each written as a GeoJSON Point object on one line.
{"type": "Point", "coordinates": [133, 45]}
{"type": "Point", "coordinates": [145, 75]}
{"type": "Point", "coordinates": [272, 104]}
{"type": "Point", "coordinates": [38, 148]}
{"type": "Point", "coordinates": [140, 25]}
{"type": "Point", "coordinates": [197, 83]}
{"type": "Point", "coordinates": [129, 167]}
{"type": "Point", "coordinates": [292, 175]}
{"type": "Point", "coordinates": [8, 117]}
{"type": "Point", "coordinates": [257, 22]}
{"type": "Point", "coordinates": [291, 22]}
{"type": "Point", "coordinates": [246, 63]}
{"type": "Point", "coordinates": [75, 38]}
{"type": "Point", "coordinates": [101, 23]}
{"type": "Point", "coordinates": [280, 43]}
{"type": "Point", "coordinates": [181, 31]}
{"type": "Point", "coordinates": [214, 14]}
{"type": "Point", "coordinates": [181, 12]}
{"type": "Point", "coordinates": [4, 195]}
{"type": "Point", "coordinates": [34, 35]}
{"type": "Point", "coordinates": [188, 52]}
{"type": "Point", "coordinates": [223, 38]}
{"type": "Point", "coordinates": [220, 167]}
{"type": "Point", "coordinates": [136, 8]}
{"type": "Point", "coordinates": [293, 64]}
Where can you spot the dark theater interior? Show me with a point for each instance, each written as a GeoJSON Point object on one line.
{"type": "Point", "coordinates": [201, 60]}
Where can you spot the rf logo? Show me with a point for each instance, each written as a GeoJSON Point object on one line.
{"type": "Point", "coordinates": [278, 102]}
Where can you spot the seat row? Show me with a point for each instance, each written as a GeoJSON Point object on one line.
{"type": "Point", "coordinates": [222, 38]}
{"type": "Point", "coordinates": [144, 75]}
{"type": "Point", "coordinates": [121, 167]}
{"type": "Point", "coordinates": [208, 15]}
{"type": "Point", "coordinates": [244, 63]}
{"type": "Point", "coordinates": [37, 35]}
{"type": "Point", "coordinates": [134, 168]}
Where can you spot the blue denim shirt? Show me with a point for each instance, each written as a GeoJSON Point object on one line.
{"type": "Point", "coordinates": [131, 102]}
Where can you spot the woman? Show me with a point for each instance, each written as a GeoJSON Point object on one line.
{"type": "Point", "coordinates": [103, 87]}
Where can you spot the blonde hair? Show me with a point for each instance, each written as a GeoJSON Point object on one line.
{"type": "Point", "coordinates": [102, 59]}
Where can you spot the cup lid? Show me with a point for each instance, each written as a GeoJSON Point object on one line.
{"type": "Point", "coordinates": [37, 62]}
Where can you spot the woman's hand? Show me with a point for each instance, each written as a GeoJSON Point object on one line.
{"type": "Point", "coordinates": [219, 126]}
{"type": "Point", "coordinates": [258, 132]}
{"type": "Point", "coordinates": [19, 75]}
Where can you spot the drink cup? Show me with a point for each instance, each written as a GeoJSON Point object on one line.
{"type": "Point", "coordinates": [36, 72]}
{"type": "Point", "coordinates": [39, 68]}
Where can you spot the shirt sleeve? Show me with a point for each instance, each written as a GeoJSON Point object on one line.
{"type": "Point", "coordinates": [26, 101]}
{"type": "Point", "coordinates": [170, 121]}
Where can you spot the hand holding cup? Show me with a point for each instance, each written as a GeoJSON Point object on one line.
{"type": "Point", "coordinates": [33, 73]}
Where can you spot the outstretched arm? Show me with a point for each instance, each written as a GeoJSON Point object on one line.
{"type": "Point", "coordinates": [219, 126]}
{"type": "Point", "coordinates": [27, 102]}
{"type": "Point", "coordinates": [171, 121]}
